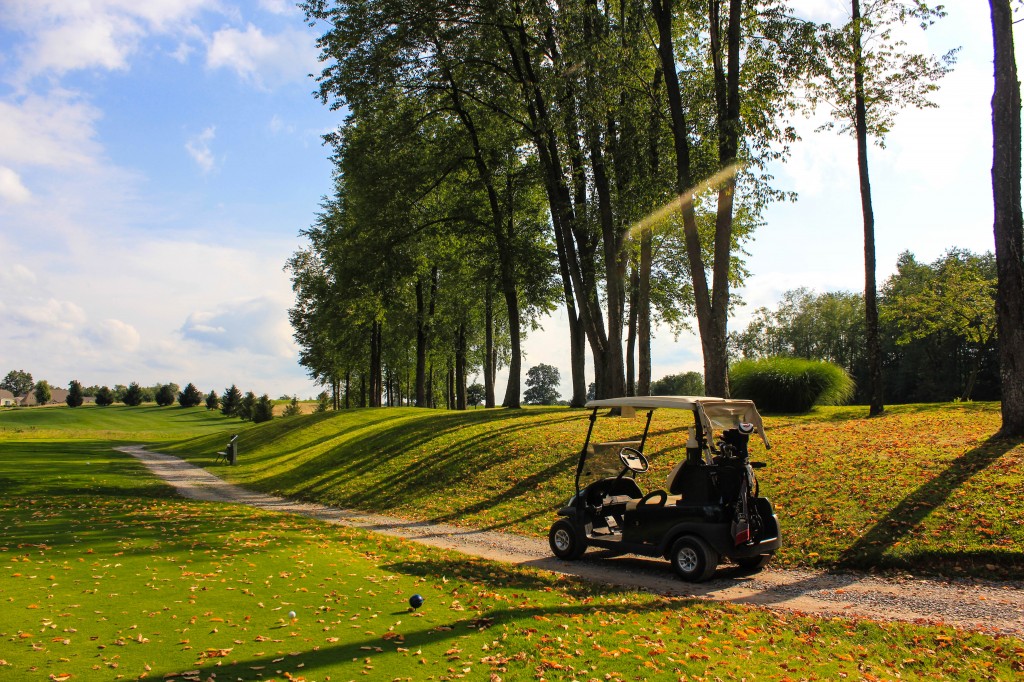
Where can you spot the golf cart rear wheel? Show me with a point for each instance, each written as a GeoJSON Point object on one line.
{"type": "Point", "coordinates": [754, 563]}
{"type": "Point", "coordinates": [693, 559]}
{"type": "Point", "coordinates": [566, 541]}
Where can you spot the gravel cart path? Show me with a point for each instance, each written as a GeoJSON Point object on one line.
{"type": "Point", "coordinates": [993, 607]}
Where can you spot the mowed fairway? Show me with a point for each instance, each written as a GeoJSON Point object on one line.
{"type": "Point", "coordinates": [923, 488]}
{"type": "Point", "coordinates": [107, 576]}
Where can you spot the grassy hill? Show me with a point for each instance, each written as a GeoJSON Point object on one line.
{"type": "Point", "coordinates": [144, 424]}
{"type": "Point", "coordinates": [922, 487]}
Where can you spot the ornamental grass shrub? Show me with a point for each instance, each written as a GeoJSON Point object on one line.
{"type": "Point", "coordinates": [790, 385]}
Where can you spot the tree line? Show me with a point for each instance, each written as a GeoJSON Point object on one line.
{"type": "Point", "coordinates": [498, 160]}
{"type": "Point", "coordinates": [937, 330]}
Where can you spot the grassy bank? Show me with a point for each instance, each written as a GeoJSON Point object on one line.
{"type": "Point", "coordinates": [921, 488]}
{"type": "Point", "coordinates": [104, 574]}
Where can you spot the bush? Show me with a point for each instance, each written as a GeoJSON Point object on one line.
{"type": "Point", "coordinates": [230, 402]}
{"type": "Point", "coordinates": [688, 383]}
{"type": "Point", "coordinates": [133, 395]}
{"type": "Point", "coordinates": [292, 409]}
{"type": "Point", "coordinates": [190, 397]}
{"type": "Point", "coordinates": [75, 397]}
{"type": "Point", "coordinates": [323, 402]}
{"type": "Point", "coordinates": [212, 401]}
{"type": "Point", "coordinates": [262, 409]}
{"type": "Point", "coordinates": [104, 397]}
{"type": "Point", "coordinates": [781, 384]}
{"type": "Point", "coordinates": [165, 395]}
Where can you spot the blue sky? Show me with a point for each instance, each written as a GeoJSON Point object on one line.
{"type": "Point", "coordinates": [158, 159]}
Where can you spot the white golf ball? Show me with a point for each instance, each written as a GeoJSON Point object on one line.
{"type": "Point", "coordinates": [291, 614]}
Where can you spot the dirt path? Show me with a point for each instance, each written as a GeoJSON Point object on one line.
{"type": "Point", "coordinates": [996, 608]}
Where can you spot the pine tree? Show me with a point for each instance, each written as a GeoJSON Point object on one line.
{"type": "Point", "coordinates": [75, 397]}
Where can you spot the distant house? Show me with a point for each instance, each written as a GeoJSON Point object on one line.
{"type": "Point", "coordinates": [7, 398]}
{"type": "Point", "coordinates": [58, 396]}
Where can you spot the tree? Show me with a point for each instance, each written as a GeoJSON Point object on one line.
{"type": "Point", "coordinates": [75, 397]}
{"type": "Point", "coordinates": [955, 297]}
{"type": "Point", "coordinates": [104, 397]}
{"type": "Point", "coordinates": [542, 385]}
{"type": "Point", "coordinates": [212, 401]}
{"type": "Point", "coordinates": [1008, 225]}
{"type": "Point", "coordinates": [133, 395]}
{"type": "Point", "coordinates": [246, 406]}
{"type": "Point", "coordinates": [231, 401]}
{"type": "Point", "coordinates": [262, 409]}
{"type": "Point", "coordinates": [165, 395]}
{"type": "Point", "coordinates": [323, 402]}
{"type": "Point", "coordinates": [292, 409]}
{"type": "Point", "coordinates": [867, 78]}
{"type": "Point", "coordinates": [42, 392]}
{"type": "Point", "coordinates": [475, 394]}
{"type": "Point", "coordinates": [686, 383]}
{"type": "Point", "coordinates": [18, 381]}
{"type": "Point", "coordinates": [190, 397]}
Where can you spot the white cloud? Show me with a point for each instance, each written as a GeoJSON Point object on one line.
{"type": "Point", "coordinates": [257, 325]}
{"type": "Point", "coordinates": [12, 189]}
{"type": "Point", "coordinates": [261, 59]}
{"type": "Point", "coordinates": [279, 6]}
{"type": "Point", "coordinates": [55, 130]}
{"type": "Point", "coordinates": [114, 335]}
{"type": "Point", "coordinates": [198, 148]}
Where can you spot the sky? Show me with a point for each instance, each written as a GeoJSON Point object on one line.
{"type": "Point", "coordinates": [159, 158]}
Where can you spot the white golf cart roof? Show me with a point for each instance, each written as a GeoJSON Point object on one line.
{"type": "Point", "coordinates": [714, 413]}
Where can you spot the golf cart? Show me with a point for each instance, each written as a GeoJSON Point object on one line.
{"type": "Point", "coordinates": [709, 509]}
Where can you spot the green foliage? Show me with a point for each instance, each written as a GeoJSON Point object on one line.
{"type": "Point", "coordinates": [104, 396]}
{"type": "Point", "coordinates": [133, 395]}
{"type": "Point", "coordinates": [246, 406]}
{"type": "Point", "coordinates": [687, 383]}
{"type": "Point", "coordinates": [263, 409]}
{"type": "Point", "coordinates": [323, 402]}
{"type": "Point", "coordinates": [790, 385]}
{"type": "Point", "coordinates": [475, 394]}
{"type": "Point", "coordinates": [542, 385]}
{"type": "Point", "coordinates": [165, 395]}
{"type": "Point", "coordinates": [231, 401]}
{"type": "Point", "coordinates": [42, 392]}
{"type": "Point", "coordinates": [18, 381]}
{"type": "Point", "coordinates": [75, 397]}
{"type": "Point", "coordinates": [213, 401]}
{"type": "Point", "coordinates": [190, 397]}
{"type": "Point", "coordinates": [292, 409]}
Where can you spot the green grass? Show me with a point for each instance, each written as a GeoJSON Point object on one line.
{"type": "Point", "coordinates": [921, 488]}
{"type": "Point", "coordinates": [105, 575]}
{"type": "Point", "coordinates": [143, 424]}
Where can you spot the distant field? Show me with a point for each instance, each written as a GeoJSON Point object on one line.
{"type": "Point", "coordinates": [105, 574]}
{"type": "Point", "coordinates": [142, 424]}
{"type": "Point", "coordinates": [920, 488]}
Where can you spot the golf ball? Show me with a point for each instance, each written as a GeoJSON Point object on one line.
{"type": "Point", "coordinates": [291, 614]}
{"type": "Point", "coordinates": [416, 601]}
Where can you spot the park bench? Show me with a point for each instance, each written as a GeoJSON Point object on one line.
{"type": "Point", "coordinates": [230, 453]}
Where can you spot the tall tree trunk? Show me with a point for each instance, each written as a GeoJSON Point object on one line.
{"type": "Point", "coordinates": [348, 388]}
{"type": "Point", "coordinates": [644, 314]}
{"type": "Point", "coordinates": [712, 313]}
{"type": "Point", "coordinates": [460, 367]}
{"type": "Point", "coordinates": [489, 353]}
{"type": "Point", "coordinates": [1008, 225]}
{"type": "Point", "coordinates": [874, 347]}
{"type": "Point", "coordinates": [634, 314]}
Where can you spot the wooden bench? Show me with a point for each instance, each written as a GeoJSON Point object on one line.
{"type": "Point", "coordinates": [230, 453]}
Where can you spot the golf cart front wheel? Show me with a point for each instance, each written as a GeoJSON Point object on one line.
{"type": "Point", "coordinates": [693, 559]}
{"type": "Point", "coordinates": [754, 563]}
{"type": "Point", "coordinates": [566, 542]}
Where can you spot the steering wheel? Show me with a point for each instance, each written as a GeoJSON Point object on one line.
{"type": "Point", "coordinates": [651, 495]}
{"type": "Point", "coordinates": [634, 460]}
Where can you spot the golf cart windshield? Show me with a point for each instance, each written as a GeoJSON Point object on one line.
{"type": "Point", "coordinates": [603, 461]}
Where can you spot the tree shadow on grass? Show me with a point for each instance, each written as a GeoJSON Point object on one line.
{"type": "Point", "coordinates": [869, 550]}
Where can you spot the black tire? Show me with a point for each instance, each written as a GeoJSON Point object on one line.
{"type": "Point", "coordinates": [566, 541]}
{"type": "Point", "coordinates": [693, 559]}
{"type": "Point", "coordinates": [753, 564]}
